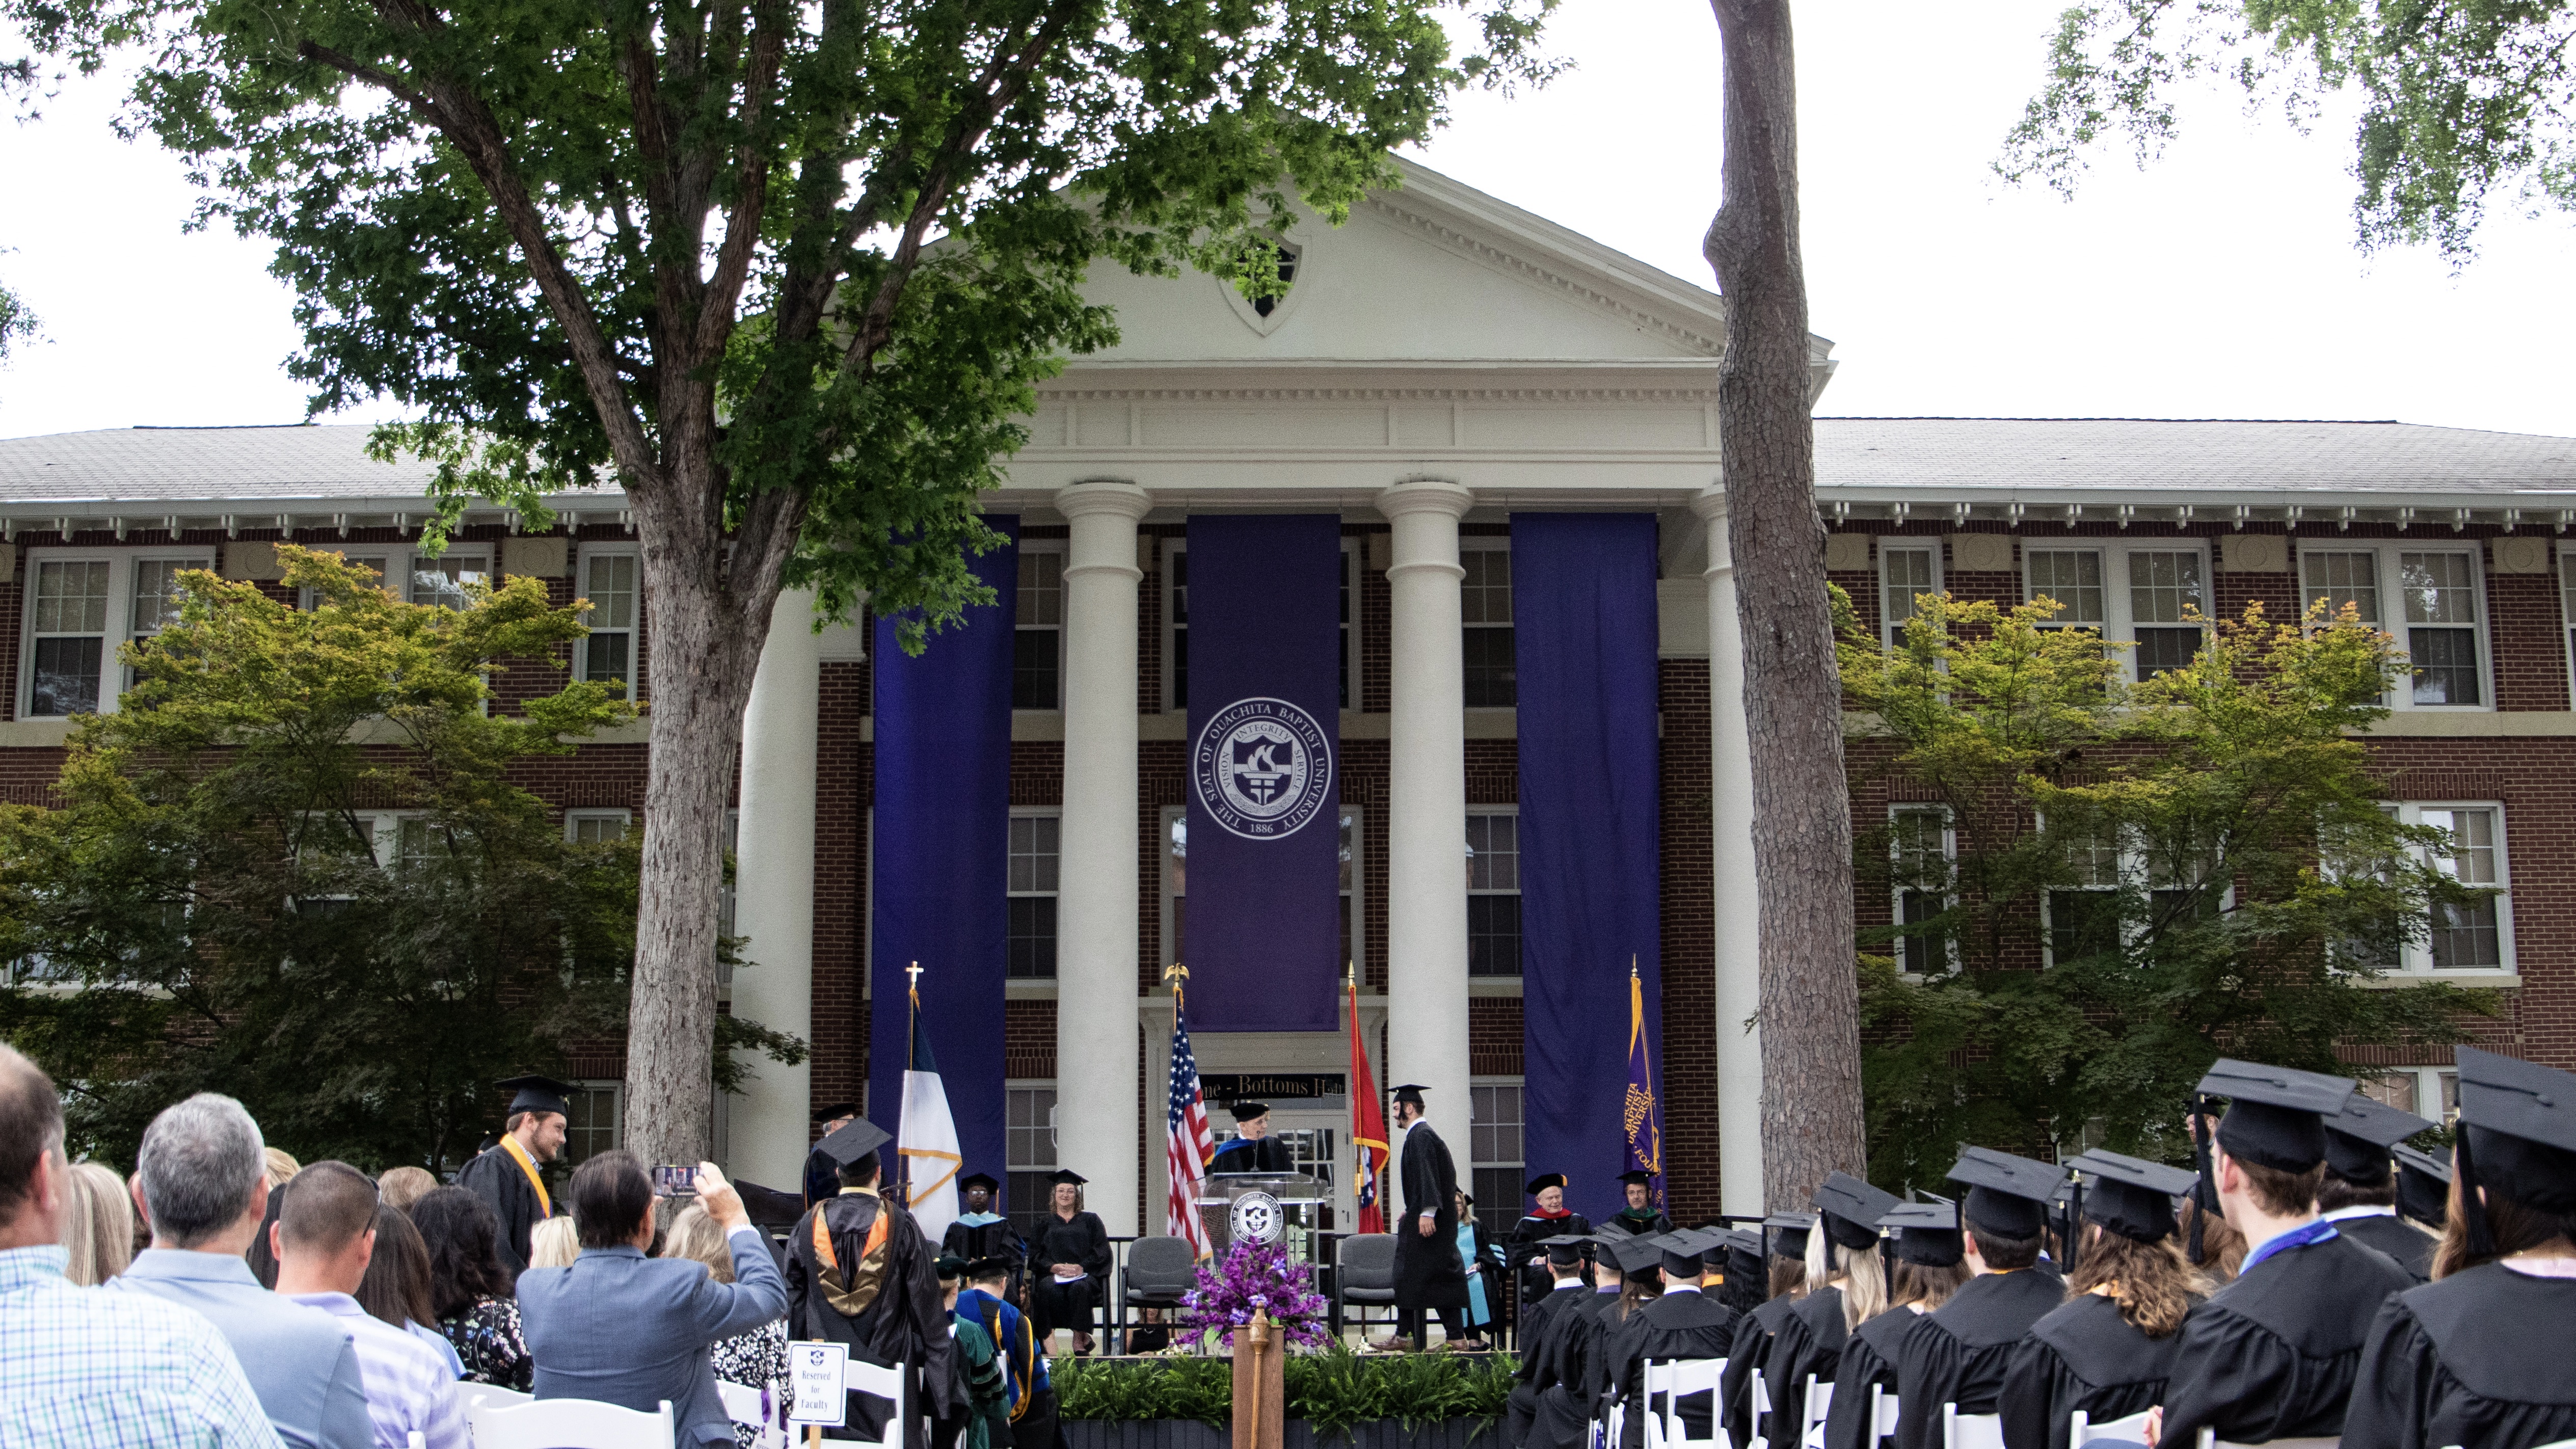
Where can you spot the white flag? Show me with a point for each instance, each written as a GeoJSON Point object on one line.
{"type": "Point", "coordinates": [928, 1142]}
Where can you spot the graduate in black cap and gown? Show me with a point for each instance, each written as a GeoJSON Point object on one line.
{"type": "Point", "coordinates": [981, 1234]}
{"type": "Point", "coordinates": [1542, 1331]}
{"type": "Point", "coordinates": [2272, 1354]}
{"type": "Point", "coordinates": [1786, 1234]}
{"type": "Point", "coordinates": [1430, 1276]}
{"type": "Point", "coordinates": [1925, 1243]}
{"type": "Point", "coordinates": [2359, 1194]}
{"type": "Point", "coordinates": [1683, 1323]}
{"type": "Point", "coordinates": [1628, 1268]}
{"type": "Point", "coordinates": [508, 1175]}
{"type": "Point", "coordinates": [1252, 1148]}
{"type": "Point", "coordinates": [2424, 1187]}
{"type": "Point", "coordinates": [860, 1274]}
{"type": "Point", "coordinates": [1068, 1261]}
{"type": "Point", "coordinates": [1959, 1353]}
{"type": "Point", "coordinates": [1547, 1218]}
{"type": "Point", "coordinates": [1637, 1214]}
{"type": "Point", "coordinates": [2485, 1356]}
{"type": "Point", "coordinates": [822, 1175]}
{"type": "Point", "coordinates": [2108, 1349]}
{"type": "Point", "coordinates": [1846, 1286]}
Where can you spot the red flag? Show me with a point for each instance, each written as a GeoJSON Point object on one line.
{"type": "Point", "coordinates": [1368, 1130]}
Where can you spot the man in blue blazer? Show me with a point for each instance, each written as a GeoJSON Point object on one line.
{"type": "Point", "coordinates": [625, 1329]}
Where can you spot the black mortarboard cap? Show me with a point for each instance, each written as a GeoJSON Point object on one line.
{"type": "Point", "coordinates": [1637, 1175]}
{"type": "Point", "coordinates": [1851, 1210]}
{"type": "Point", "coordinates": [1788, 1233]}
{"type": "Point", "coordinates": [2007, 1195]}
{"type": "Point", "coordinates": [1067, 1174]}
{"type": "Point", "coordinates": [983, 1268]}
{"type": "Point", "coordinates": [2424, 1185]}
{"type": "Point", "coordinates": [853, 1140]}
{"type": "Point", "coordinates": [2518, 1131]}
{"type": "Point", "coordinates": [1565, 1248]}
{"type": "Point", "coordinates": [949, 1267]}
{"type": "Point", "coordinates": [1543, 1182]}
{"type": "Point", "coordinates": [1638, 1257]}
{"type": "Point", "coordinates": [2273, 1112]}
{"type": "Point", "coordinates": [835, 1111]}
{"type": "Point", "coordinates": [974, 1180]}
{"type": "Point", "coordinates": [1743, 1250]}
{"type": "Point", "coordinates": [1246, 1111]}
{"type": "Point", "coordinates": [2130, 1195]}
{"type": "Point", "coordinates": [1409, 1092]}
{"type": "Point", "coordinates": [538, 1094]}
{"type": "Point", "coordinates": [2358, 1138]}
{"type": "Point", "coordinates": [1926, 1232]}
{"type": "Point", "coordinates": [1681, 1253]}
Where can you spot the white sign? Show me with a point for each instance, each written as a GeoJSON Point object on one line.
{"type": "Point", "coordinates": [820, 1374]}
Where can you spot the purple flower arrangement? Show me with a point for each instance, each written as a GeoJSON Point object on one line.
{"type": "Point", "coordinates": [1252, 1277]}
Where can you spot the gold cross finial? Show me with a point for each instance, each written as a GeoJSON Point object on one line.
{"type": "Point", "coordinates": [914, 971]}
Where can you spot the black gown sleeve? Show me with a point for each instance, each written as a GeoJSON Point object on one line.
{"type": "Point", "coordinates": [2393, 1394]}
{"type": "Point", "coordinates": [1860, 1366]}
{"type": "Point", "coordinates": [1791, 1357]}
{"type": "Point", "coordinates": [2229, 1375]}
{"type": "Point", "coordinates": [2035, 1402]}
{"type": "Point", "coordinates": [1928, 1370]}
{"type": "Point", "coordinates": [1096, 1257]}
{"type": "Point", "coordinates": [1735, 1386]}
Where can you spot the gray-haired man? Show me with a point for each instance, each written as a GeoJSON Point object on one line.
{"type": "Point", "coordinates": [204, 1186]}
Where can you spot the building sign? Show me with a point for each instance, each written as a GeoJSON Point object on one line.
{"type": "Point", "coordinates": [1275, 1087]}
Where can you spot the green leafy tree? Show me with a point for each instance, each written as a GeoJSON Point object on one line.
{"type": "Point", "coordinates": [17, 323]}
{"type": "Point", "coordinates": [212, 904]}
{"type": "Point", "coordinates": [2205, 860]}
{"type": "Point", "coordinates": [788, 273]}
{"type": "Point", "coordinates": [2464, 105]}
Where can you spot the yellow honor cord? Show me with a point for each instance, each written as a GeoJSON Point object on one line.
{"type": "Point", "coordinates": [519, 1154]}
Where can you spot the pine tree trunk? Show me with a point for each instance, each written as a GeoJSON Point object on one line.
{"type": "Point", "coordinates": [1811, 1102]}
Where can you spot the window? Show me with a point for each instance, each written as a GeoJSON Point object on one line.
{"type": "Point", "coordinates": [595, 827]}
{"type": "Point", "coordinates": [1176, 882]}
{"type": "Point", "coordinates": [1037, 641]}
{"type": "Point", "coordinates": [2432, 1092]}
{"type": "Point", "coordinates": [1176, 603]}
{"type": "Point", "coordinates": [1350, 590]}
{"type": "Point", "coordinates": [1904, 571]}
{"type": "Point", "coordinates": [612, 582]}
{"type": "Point", "coordinates": [1354, 888]}
{"type": "Point", "coordinates": [1494, 1152]}
{"type": "Point", "coordinates": [441, 582]}
{"type": "Point", "coordinates": [593, 1126]}
{"type": "Point", "coordinates": [1494, 894]}
{"type": "Point", "coordinates": [2438, 594]}
{"type": "Point", "coordinates": [1031, 908]}
{"type": "Point", "coordinates": [1485, 598]}
{"type": "Point", "coordinates": [1922, 848]}
{"type": "Point", "coordinates": [1029, 1147]}
{"type": "Point", "coordinates": [80, 605]}
{"type": "Point", "coordinates": [2083, 915]}
{"type": "Point", "coordinates": [2470, 937]}
{"type": "Point", "coordinates": [2150, 595]}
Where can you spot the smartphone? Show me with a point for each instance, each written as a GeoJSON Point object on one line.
{"type": "Point", "coordinates": [673, 1181]}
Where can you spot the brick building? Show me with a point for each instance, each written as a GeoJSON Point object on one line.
{"type": "Point", "coordinates": [1441, 365]}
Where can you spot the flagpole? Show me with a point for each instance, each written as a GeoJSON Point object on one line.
{"type": "Point", "coordinates": [911, 1029]}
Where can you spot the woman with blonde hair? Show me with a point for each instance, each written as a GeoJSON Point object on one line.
{"type": "Point", "coordinates": [1846, 1287]}
{"type": "Point", "coordinates": [98, 1225]}
{"type": "Point", "coordinates": [400, 1187]}
{"type": "Point", "coordinates": [554, 1243]}
{"type": "Point", "coordinates": [1931, 1263]}
{"type": "Point", "coordinates": [757, 1359]}
{"type": "Point", "coordinates": [2110, 1348]}
{"type": "Point", "coordinates": [282, 1166]}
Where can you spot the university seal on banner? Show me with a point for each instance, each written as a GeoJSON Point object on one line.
{"type": "Point", "coordinates": [1263, 768]}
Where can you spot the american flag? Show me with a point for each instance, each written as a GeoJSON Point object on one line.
{"type": "Point", "coordinates": [1187, 1143]}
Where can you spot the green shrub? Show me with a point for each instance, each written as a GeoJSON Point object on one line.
{"type": "Point", "coordinates": [1335, 1390]}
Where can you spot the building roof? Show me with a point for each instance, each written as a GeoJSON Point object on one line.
{"type": "Point", "coordinates": [158, 465]}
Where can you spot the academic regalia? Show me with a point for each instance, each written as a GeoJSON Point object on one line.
{"type": "Point", "coordinates": [1638, 1223]}
{"type": "Point", "coordinates": [979, 1367]}
{"type": "Point", "coordinates": [2360, 1141]}
{"type": "Point", "coordinates": [1533, 1229]}
{"type": "Point", "coordinates": [1429, 1274]}
{"type": "Point", "coordinates": [1869, 1357]}
{"type": "Point", "coordinates": [1542, 1330]}
{"type": "Point", "coordinates": [1565, 1407]}
{"type": "Point", "coordinates": [1810, 1342]}
{"type": "Point", "coordinates": [1245, 1154]}
{"type": "Point", "coordinates": [860, 1274]}
{"type": "Point", "coordinates": [2083, 1355]}
{"type": "Point", "coordinates": [1753, 1336]}
{"type": "Point", "coordinates": [1080, 1239]}
{"type": "Point", "coordinates": [822, 1174]}
{"type": "Point", "coordinates": [1485, 1278]}
{"type": "Point", "coordinates": [1030, 1394]}
{"type": "Point", "coordinates": [507, 1178]}
{"type": "Point", "coordinates": [1683, 1323]}
{"type": "Point", "coordinates": [2411, 1247]}
{"type": "Point", "coordinates": [977, 1237]}
{"type": "Point", "coordinates": [1959, 1353]}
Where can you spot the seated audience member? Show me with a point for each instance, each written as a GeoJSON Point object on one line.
{"type": "Point", "coordinates": [102, 1369]}
{"type": "Point", "coordinates": [2359, 1193]}
{"type": "Point", "coordinates": [469, 1290]}
{"type": "Point", "coordinates": [1931, 1264]}
{"type": "Point", "coordinates": [757, 1359]}
{"type": "Point", "coordinates": [98, 1225]}
{"type": "Point", "coordinates": [403, 1186]}
{"type": "Point", "coordinates": [554, 1243]}
{"type": "Point", "coordinates": [626, 1329]}
{"type": "Point", "coordinates": [2272, 1354]}
{"type": "Point", "coordinates": [262, 1254]}
{"type": "Point", "coordinates": [204, 1187]}
{"type": "Point", "coordinates": [396, 1288]}
{"type": "Point", "coordinates": [282, 1166]}
{"type": "Point", "coordinates": [1961, 1352]}
{"type": "Point", "coordinates": [2480, 1357]}
{"type": "Point", "coordinates": [326, 1234]}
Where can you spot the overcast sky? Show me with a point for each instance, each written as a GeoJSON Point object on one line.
{"type": "Point", "coordinates": [2219, 282]}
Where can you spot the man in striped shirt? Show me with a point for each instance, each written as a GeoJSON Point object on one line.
{"type": "Point", "coordinates": [78, 1366]}
{"type": "Point", "coordinates": [325, 1233]}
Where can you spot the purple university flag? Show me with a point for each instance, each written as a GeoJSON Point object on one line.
{"type": "Point", "coordinates": [1263, 933]}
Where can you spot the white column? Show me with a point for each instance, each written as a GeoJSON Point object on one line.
{"type": "Point", "coordinates": [774, 892]}
{"type": "Point", "coordinates": [1426, 831]}
{"type": "Point", "coordinates": [1096, 945]}
{"type": "Point", "coordinates": [1739, 941]}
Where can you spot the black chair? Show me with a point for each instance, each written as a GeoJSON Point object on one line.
{"type": "Point", "coordinates": [1157, 1272]}
{"type": "Point", "coordinates": [1363, 1278]}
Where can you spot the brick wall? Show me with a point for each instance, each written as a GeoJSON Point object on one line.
{"type": "Point", "coordinates": [1689, 945]}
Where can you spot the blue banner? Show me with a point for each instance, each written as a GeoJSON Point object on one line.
{"type": "Point", "coordinates": [1262, 934]}
{"type": "Point", "coordinates": [939, 863]}
{"type": "Point", "coordinates": [1583, 619]}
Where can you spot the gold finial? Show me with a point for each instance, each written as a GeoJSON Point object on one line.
{"type": "Point", "coordinates": [914, 971]}
{"type": "Point", "coordinates": [1632, 965]}
{"type": "Point", "coordinates": [1176, 971]}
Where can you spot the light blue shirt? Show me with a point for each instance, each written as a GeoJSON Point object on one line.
{"type": "Point", "coordinates": [436, 1342]}
{"type": "Point", "coordinates": [298, 1361]}
{"type": "Point", "coordinates": [114, 1370]}
{"type": "Point", "coordinates": [630, 1330]}
{"type": "Point", "coordinates": [408, 1387]}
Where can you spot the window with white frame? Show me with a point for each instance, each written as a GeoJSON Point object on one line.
{"type": "Point", "coordinates": [1494, 1151]}
{"type": "Point", "coordinates": [1349, 635]}
{"type": "Point", "coordinates": [1029, 1151]}
{"type": "Point", "coordinates": [1492, 678]}
{"type": "Point", "coordinates": [1354, 886]}
{"type": "Point", "coordinates": [594, 1125]}
{"type": "Point", "coordinates": [2430, 599]}
{"type": "Point", "coordinates": [1176, 883]}
{"type": "Point", "coordinates": [1906, 571]}
{"type": "Point", "coordinates": [1922, 852]}
{"type": "Point", "coordinates": [1176, 625]}
{"type": "Point", "coordinates": [2430, 1092]}
{"type": "Point", "coordinates": [2477, 935]}
{"type": "Point", "coordinates": [80, 604]}
{"type": "Point", "coordinates": [1494, 891]}
{"type": "Point", "coordinates": [595, 827]}
{"type": "Point", "coordinates": [1035, 839]}
{"type": "Point", "coordinates": [1037, 638]}
{"type": "Point", "coordinates": [2151, 594]}
{"type": "Point", "coordinates": [2082, 914]}
{"type": "Point", "coordinates": [613, 581]}
{"type": "Point", "coordinates": [441, 582]}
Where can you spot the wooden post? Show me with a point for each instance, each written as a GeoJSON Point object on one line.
{"type": "Point", "coordinates": [1259, 1398]}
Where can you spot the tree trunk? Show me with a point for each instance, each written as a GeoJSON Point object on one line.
{"type": "Point", "coordinates": [1810, 1013]}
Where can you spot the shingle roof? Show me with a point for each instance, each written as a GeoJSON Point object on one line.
{"type": "Point", "coordinates": [169, 465]}
{"type": "Point", "coordinates": [2138, 455]}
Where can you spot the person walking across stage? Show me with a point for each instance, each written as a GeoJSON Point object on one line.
{"type": "Point", "coordinates": [1252, 1148]}
{"type": "Point", "coordinates": [506, 1175]}
{"type": "Point", "coordinates": [1068, 1262]}
{"type": "Point", "coordinates": [2108, 1349]}
{"type": "Point", "coordinates": [2359, 1193]}
{"type": "Point", "coordinates": [1547, 1218]}
{"type": "Point", "coordinates": [981, 1233]}
{"type": "Point", "coordinates": [2481, 1357]}
{"type": "Point", "coordinates": [1430, 1277]}
{"type": "Point", "coordinates": [860, 1274]}
{"type": "Point", "coordinates": [1637, 1214]}
{"type": "Point", "coordinates": [1959, 1354]}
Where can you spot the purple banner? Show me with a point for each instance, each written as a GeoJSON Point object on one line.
{"type": "Point", "coordinates": [1263, 933]}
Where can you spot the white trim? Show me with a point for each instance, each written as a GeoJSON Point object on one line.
{"type": "Point", "coordinates": [575, 819]}
{"type": "Point", "coordinates": [117, 618]}
{"type": "Point", "coordinates": [2415, 960]}
{"type": "Point", "coordinates": [1012, 893]}
{"type": "Point", "coordinates": [1891, 627]}
{"type": "Point", "coordinates": [583, 555]}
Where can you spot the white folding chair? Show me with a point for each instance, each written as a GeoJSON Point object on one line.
{"type": "Point", "coordinates": [1761, 1411]}
{"type": "Point", "coordinates": [415, 1441]}
{"type": "Point", "coordinates": [1820, 1402]}
{"type": "Point", "coordinates": [883, 1383]}
{"type": "Point", "coordinates": [1973, 1431]}
{"type": "Point", "coordinates": [743, 1405]}
{"type": "Point", "coordinates": [566, 1424]}
{"type": "Point", "coordinates": [1883, 1407]}
{"type": "Point", "coordinates": [2083, 1430]}
{"type": "Point", "coordinates": [493, 1394]}
{"type": "Point", "coordinates": [2209, 1440]}
{"type": "Point", "coordinates": [1671, 1379]}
